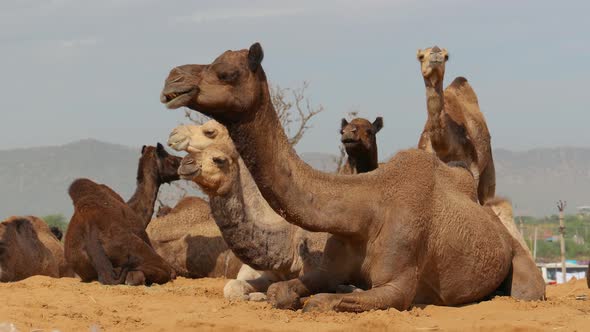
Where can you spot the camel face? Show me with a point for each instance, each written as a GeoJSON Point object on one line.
{"type": "Point", "coordinates": [432, 63]}
{"type": "Point", "coordinates": [213, 170]}
{"type": "Point", "coordinates": [359, 134]}
{"type": "Point", "coordinates": [195, 138]}
{"type": "Point", "coordinates": [230, 84]}
{"type": "Point", "coordinates": [167, 164]}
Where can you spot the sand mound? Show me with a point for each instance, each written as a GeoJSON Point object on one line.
{"type": "Point", "coordinates": [42, 303]}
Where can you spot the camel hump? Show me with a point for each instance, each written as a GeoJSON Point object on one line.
{"type": "Point", "coordinates": [462, 89]}
{"type": "Point", "coordinates": [81, 187]}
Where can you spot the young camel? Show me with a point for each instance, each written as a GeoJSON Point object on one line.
{"type": "Point", "coordinates": [400, 249]}
{"type": "Point", "coordinates": [260, 238]}
{"type": "Point", "coordinates": [106, 238]}
{"type": "Point", "coordinates": [28, 248]}
{"type": "Point", "coordinates": [455, 129]}
{"type": "Point", "coordinates": [359, 137]}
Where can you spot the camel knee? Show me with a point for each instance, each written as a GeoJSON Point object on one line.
{"type": "Point", "coordinates": [237, 290]}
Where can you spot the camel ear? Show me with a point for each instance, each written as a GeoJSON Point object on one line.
{"type": "Point", "coordinates": [377, 124]}
{"type": "Point", "coordinates": [161, 151]}
{"type": "Point", "coordinates": [255, 56]}
{"type": "Point", "coordinates": [143, 149]}
{"type": "Point", "coordinates": [344, 123]}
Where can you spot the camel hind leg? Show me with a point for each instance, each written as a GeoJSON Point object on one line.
{"type": "Point", "coordinates": [152, 266]}
{"type": "Point", "coordinates": [101, 262]}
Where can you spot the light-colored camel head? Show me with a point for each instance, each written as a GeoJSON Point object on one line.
{"type": "Point", "coordinates": [214, 169]}
{"type": "Point", "coordinates": [155, 159]}
{"type": "Point", "coordinates": [360, 134]}
{"type": "Point", "coordinates": [432, 63]}
{"type": "Point", "coordinates": [228, 87]}
{"type": "Point", "coordinates": [194, 138]}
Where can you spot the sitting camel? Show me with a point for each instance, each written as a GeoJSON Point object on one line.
{"type": "Point", "coordinates": [28, 248]}
{"type": "Point", "coordinates": [424, 240]}
{"type": "Point", "coordinates": [359, 137]}
{"type": "Point", "coordinates": [279, 251]}
{"type": "Point", "coordinates": [456, 130]}
{"type": "Point", "coordinates": [106, 238]}
{"type": "Point", "coordinates": [188, 239]}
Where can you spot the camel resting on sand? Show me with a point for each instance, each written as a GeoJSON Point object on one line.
{"type": "Point", "coordinates": [424, 240]}
{"type": "Point", "coordinates": [188, 239]}
{"type": "Point", "coordinates": [28, 248]}
{"type": "Point", "coordinates": [261, 239]}
{"type": "Point", "coordinates": [106, 238]}
{"type": "Point", "coordinates": [359, 137]}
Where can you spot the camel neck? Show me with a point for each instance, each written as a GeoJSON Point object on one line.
{"type": "Point", "coordinates": [144, 198]}
{"type": "Point", "coordinates": [253, 231]}
{"type": "Point", "coordinates": [292, 188]}
{"type": "Point", "coordinates": [362, 161]}
{"type": "Point", "coordinates": [435, 105]}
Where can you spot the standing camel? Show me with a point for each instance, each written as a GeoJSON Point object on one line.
{"type": "Point", "coordinates": [359, 137]}
{"type": "Point", "coordinates": [400, 249]}
{"type": "Point", "coordinates": [455, 129]}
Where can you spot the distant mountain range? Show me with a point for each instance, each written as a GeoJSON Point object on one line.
{"type": "Point", "coordinates": [35, 180]}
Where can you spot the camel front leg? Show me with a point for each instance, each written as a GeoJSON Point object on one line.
{"type": "Point", "coordinates": [397, 294]}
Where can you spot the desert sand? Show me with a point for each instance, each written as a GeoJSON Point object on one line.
{"type": "Point", "coordinates": [44, 304]}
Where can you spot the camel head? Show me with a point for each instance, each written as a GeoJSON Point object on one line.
{"type": "Point", "coordinates": [156, 159]}
{"type": "Point", "coordinates": [17, 238]}
{"type": "Point", "coordinates": [360, 134]}
{"type": "Point", "coordinates": [193, 138]}
{"type": "Point", "coordinates": [226, 88]}
{"type": "Point", "coordinates": [432, 63]}
{"type": "Point", "coordinates": [214, 169]}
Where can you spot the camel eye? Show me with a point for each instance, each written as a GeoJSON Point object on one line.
{"type": "Point", "coordinates": [211, 133]}
{"type": "Point", "coordinates": [228, 76]}
{"type": "Point", "coordinates": [220, 161]}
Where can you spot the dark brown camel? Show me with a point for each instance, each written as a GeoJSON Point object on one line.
{"type": "Point", "coordinates": [455, 129]}
{"type": "Point", "coordinates": [402, 248]}
{"type": "Point", "coordinates": [106, 238]}
{"type": "Point", "coordinates": [28, 248]}
{"type": "Point", "coordinates": [359, 137]}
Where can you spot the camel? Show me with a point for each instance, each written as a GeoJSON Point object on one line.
{"type": "Point", "coordinates": [455, 129]}
{"type": "Point", "coordinates": [360, 141]}
{"type": "Point", "coordinates": [106, 238]}
{"type": "Point", "coordinates": [424, 240]}
{"type": "Point", "coordinates": [188, 239]}
{"type": "Point", "coordinates": [281, 251]}
{"type": "Point", "coordinates": [28, 248]}
{"type": "Point", "coordinates": [57, 232]}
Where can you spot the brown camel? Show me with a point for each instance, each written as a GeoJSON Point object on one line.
{"type": "Point", "coordinates": [28, 248]}
{"type": "Point", "coordinates": [281, 252]}
{"type": "Point", "coordinates": [359, 137]}
{"type": "Point", "coordinates": [106, 238]}
{"type": "Point", "coordinates": [423, 241]}
{"type": "Point", "coordinates": [455, 129]}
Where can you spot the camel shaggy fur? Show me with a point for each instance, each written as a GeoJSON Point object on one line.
{"type": "Point", "coordinates": [106, 238]}
{"type": "Point", "coordinates": [28, 248]}
{"type": "Point", "coordinates": [424, 241]}
{"type": "Point", "coordinates": [279, 251]}
{"type": "Point", "coordinates": [455, 129]}
{"type": "Point", "coordinates": [359, 137]}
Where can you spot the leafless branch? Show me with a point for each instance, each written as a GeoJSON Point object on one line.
{"type": "Point", "coordinates": [561, 205]}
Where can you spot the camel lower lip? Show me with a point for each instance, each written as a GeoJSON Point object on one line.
{"type": "Point", "coordinates": [188, 175]}
{"type": "Point", "coordinates": [175, 100]}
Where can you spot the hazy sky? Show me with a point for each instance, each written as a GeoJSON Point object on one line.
{"type": "Point", "coordinates": [73, 69]}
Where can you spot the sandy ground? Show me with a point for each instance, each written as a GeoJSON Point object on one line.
{"type": "Point", "coordinates": [43, 304]}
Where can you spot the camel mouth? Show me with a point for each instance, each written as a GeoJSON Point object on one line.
{"type": "Point", "coordinates": [349, 141]}
{"type": "Point", "coordinates": [189, 170]}
{"type": "Point", "coordinates": [175, 98]}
